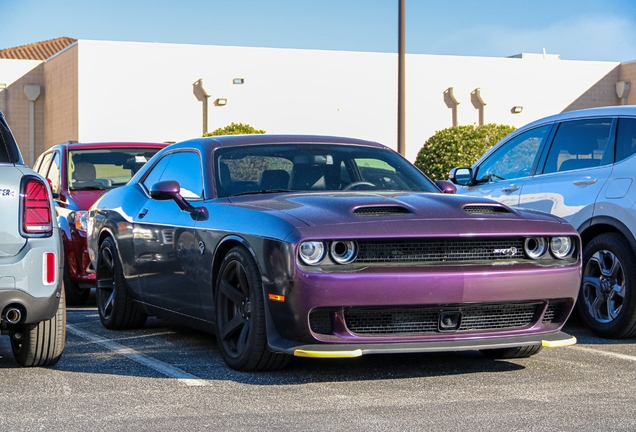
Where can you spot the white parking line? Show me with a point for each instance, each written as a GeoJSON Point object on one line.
{"type": "Point", "coordinates": [605, 353]}
{"type": "Point", "coordinates": [159, 366]}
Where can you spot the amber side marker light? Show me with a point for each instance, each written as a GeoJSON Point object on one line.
{"type": "Point", "coordinates": [276, 297]}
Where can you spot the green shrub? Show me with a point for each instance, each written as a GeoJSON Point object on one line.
{"type": "Point", "coordinates": [234, 129]}
{"type": "Point", "coordinates": [458, 146]}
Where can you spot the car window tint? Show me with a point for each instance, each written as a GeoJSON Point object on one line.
{"type": "Point", "coordinates": [514, 159]}
{"type": "Point", "coordinates": [54, 173]}
{"type": "Point", "coordinates": [578, 144]}
{"type": "Point", "coordinates": [185, 168]}
{"type": "Point", "coordinates": [154, 175]}
{"type": "Point", "coordinates": [626, 138]}
{"type": "Point", "coordinates": [314, 167]}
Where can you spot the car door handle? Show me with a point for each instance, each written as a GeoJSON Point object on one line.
{"type": "Point", "coordinates": [143, 213]}
{"type": "Point", "coordinates": [585, 182]}
{"type": "Point", "coordinates": [511, 188]}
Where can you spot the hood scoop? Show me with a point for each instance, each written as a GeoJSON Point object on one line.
{"type": "Point", "coordinates": [381, 211]}
{"type": "Point", "coordinates": [486, 210]}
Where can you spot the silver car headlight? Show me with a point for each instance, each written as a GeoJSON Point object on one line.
{"type": "Point", "coordinates": [535, 247]}
{"type": "Point", "coordinates": [343, 251]}
{"type": "Point", "coordinates": [311, 252]}
{"type": "Point", "coordinates": [561, 247]}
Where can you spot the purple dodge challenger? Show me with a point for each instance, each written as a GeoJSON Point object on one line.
{"type": "Point", "coordinates": [312, 246]}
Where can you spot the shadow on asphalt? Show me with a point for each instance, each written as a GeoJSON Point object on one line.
{"type": "Point", "coordinates": [196, 353]}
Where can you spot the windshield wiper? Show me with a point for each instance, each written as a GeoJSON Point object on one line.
{"type": "Point", "coordinates": [90, 188]}
{"type": "Point", "coordinates": [259, 192]}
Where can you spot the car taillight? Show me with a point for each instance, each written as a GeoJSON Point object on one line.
{"type": "Point", "coordinates": [49, 268]}
{"type": "Point", "coordinates": [35, 207]}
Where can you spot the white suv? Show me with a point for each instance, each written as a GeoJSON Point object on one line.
{"type": "Point", "coordinates": [580, 165]}
{"type": "Point", "coordinates": [32, 306]}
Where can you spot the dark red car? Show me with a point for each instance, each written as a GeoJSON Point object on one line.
{"type": "Point", "coordinates": [78, 174]}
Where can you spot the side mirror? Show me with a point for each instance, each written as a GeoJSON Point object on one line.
{"type": "Point", "coordinates": [165, 190]}
{"type": "Point", "coordinates": [461, 176]}
{"type": "Point", "coordinates": [446, 187]}
{"type": "Point", "coordinates": [169, 190]}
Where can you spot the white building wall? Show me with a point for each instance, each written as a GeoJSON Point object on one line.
{"type": "Point", "coordinates": [143, 91]}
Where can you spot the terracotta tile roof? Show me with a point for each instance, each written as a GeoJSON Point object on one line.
{"type": "Point", "coordinates": [38, 50]}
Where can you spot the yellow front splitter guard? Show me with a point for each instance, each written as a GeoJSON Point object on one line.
{"type": "Point", "coordinates": [328, 354]}
{"type": "Point", "coordinates": [558, 343]}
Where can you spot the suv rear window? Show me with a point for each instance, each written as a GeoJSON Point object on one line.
{"type": "Point", "coordinates": [8, 147]}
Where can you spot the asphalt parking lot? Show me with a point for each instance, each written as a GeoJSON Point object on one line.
{"type": "Point", "coordinates": [167, 377]}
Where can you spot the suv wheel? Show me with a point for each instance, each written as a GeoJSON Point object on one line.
{"type": "Point", "coordinates": [607, 300]}
{"type": "Point", "coordinates": [41, 344]}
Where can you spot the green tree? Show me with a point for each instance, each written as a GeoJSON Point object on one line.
{"type": "Point", "coordinates": [458, 146]}
{"type": "Point", "coordinates": [234, 129]}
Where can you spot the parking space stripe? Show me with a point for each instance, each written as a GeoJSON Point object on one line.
{"type": "Point", "coordinates": [159, 366]}
{"type": "Point", "coordinates": [605, 353]}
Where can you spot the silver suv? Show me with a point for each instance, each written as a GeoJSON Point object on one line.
{"type": "Point", "coordinates": [579, 165]}
{"type": "Point", "coordinates": [32, 305]}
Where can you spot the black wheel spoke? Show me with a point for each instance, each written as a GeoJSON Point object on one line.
{"type": "Point", "coordinates": [233, 294]}
{"type": "Point", "coordinates": [241, 342]}
{"type": "Point", "coordinates": [232, 327]}
{"type": "Point", "coordinates": [105, 283]}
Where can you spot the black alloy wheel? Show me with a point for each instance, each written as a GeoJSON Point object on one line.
{"type": "Point", "coordinates": [240, 315]}
{"type": "Point", "coordinates": [607, 302]}
{"type": "Point", "coordinates": [75, 295]}
{"type": "Point", "coordinates": [116, 309]}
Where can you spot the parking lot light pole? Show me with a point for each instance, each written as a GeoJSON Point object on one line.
{"type": "Point", "coordinates": [401, 145]}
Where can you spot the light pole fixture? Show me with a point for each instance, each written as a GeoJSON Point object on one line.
{"type": "Point", "coordinates": [622, 90]}
{"type": "Point", "coordinates": [32, 92]}
{"type": "Point", "coordinates": [202, 96]}
{"type": "Point", "coordinates": [479, 103]}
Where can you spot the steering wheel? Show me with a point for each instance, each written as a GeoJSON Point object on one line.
{"type": "Point", "coordinates": [355, 185]}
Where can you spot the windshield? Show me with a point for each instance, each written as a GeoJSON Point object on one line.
{"type": "Point", "coordinates": [314, 167]}
{"type": "Point", "coordinates": [105, 168]}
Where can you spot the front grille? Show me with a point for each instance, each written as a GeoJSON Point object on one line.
{"type": "Point", "coordinates": [410, 320]}
{"type": "Point", "coordinates": [381, 211]}
{"type": "Point", "coordinates": [440, 251]}
{"type": "Point", "coordinates": [486, 210]}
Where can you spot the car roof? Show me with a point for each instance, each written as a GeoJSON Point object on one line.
{"type": "Point", "coordinates": [100, 145]}
{"type": "Point", "coordinates": [619, 110]}
{"type": "Point", "coordinates": [235, 140]}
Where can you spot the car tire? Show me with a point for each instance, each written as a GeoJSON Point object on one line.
{"type": "Point", "coordinates": [514, 352]}
{"type": "Point", "coordinates": [41, 344]}
{"type": "Point", "coordinates": [116, 309]}
{"type": "Point", "coordinates": [240, 315]}
{"type": "Point", "coordinates": [607, 299]}
{"type": "Point", "coordinates": [75, 295]}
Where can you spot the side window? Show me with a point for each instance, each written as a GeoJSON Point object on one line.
{"type": "Point", "coordinates": [515, 158]}
{"type": "Point", "coordinates": [183, 167]}
{"type": "Point", "coordinates": [43, 168]}
{"type": "Point", "coordinates": [579, 144]}
{"type": "Point", "coordinates": [626, 138]}
{"type": "Point", "coordinates": [155, 173]}
{"type": "Point", "coordinates": [54, 173]}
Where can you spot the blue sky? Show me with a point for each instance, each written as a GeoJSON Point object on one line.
{"type": "Point", "coordinates": [575, 29]}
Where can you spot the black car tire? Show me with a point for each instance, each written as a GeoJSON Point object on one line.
{"type": "Point", "coordinates": [514, 352]}
{"type": "Point", "coordinates": [240, 315]}
{"type": "Point", "coordinates": [607, 299]}
{"type": "Point", "coordinates": [41, 344]}
{"type": "Point", "coordinates": [75, 295]}
{"type": "Point", "coordinates": [116, 309]}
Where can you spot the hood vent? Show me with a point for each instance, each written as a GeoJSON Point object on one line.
{"type": "Point", "coordinates": [381, 211]}
{"type": "Point", "coordinates": [486, 210]}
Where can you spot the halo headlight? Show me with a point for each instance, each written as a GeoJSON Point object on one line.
{"type": "Point", "coordinates": [535, 247]}
{"type": "Point", "coordinates": [311, 252]}
{"type": "Point", "coordinates": [561, 247]}
{"type": "Point", "coordinates": [343, 251]}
